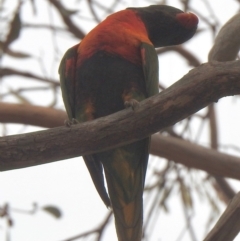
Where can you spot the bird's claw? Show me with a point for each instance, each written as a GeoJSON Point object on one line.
{"type": "Point", "coordinates": [69, 123]}
{"type": "Point", "coordinates": [131, 103]}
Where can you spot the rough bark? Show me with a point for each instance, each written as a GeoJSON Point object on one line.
{"type": "Point", "coordinates": [197, 89]}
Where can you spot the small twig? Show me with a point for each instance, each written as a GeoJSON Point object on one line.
{"type": "Point", "coordinates": [224, 190]}
{"type": "Point", "coordinates": [103, 226]}
{"type": "Point", "coordinates": [98, 230]}
{"type": "Point", "coordinates": [213, 26]}
{"type": "Point", "coordinates": [213, 127]}
{"type": "Point", "coordinates": [67, 20]}
{"type": "Point", "coordinates": [8, 71]}
{"type": "Point", "coordinates": [90, 4]}
{"type": "Point", "coordinates": [187, 205]}
{"type": "Point", "coordinates": [50, 27]}
{"type": "Point", "coordinates": [192, 59]}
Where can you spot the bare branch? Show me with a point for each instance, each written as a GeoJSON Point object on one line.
{"type": "Point", "coordinates": [227, 43]}
{"type": "Point", "coordinates": [15, 28]}
{"type": "Point", "coordinates": [99, 230]}
{"type": "Point", "coordinates": [223, 189]}
{"type": "Point", "coordinates": [90, 4]}
{"type": "Point", "coordinates": [67, 20]}
{"type": "Point", "coordinates": [226, 47]}
{"type": "Point", "coordinates": [46, 26]}
{"type": "Point", "coordinates": [195, 156]}
{"type": "Point", "coordinates": [7, 72]}
{"type": "Point", "coordinates": [175, 149]}
{"type": "Point", "coordinates": [228, 226]}
{"type": "Point", "coordinates": [31, 115]}
{"type": "Point", "coordinates": [192, 60]}
{"type": "Point", "coordinates": [197, 89]}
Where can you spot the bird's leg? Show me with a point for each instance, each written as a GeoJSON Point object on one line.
{"type": "Point", "coordinates": [131, 103]}
{"type": "Point", "coordinates": [69, 123]}
{"type": "Point", "coordinates": [132, 96]}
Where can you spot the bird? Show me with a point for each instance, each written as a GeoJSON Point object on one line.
{"type": "Point", "coordinates": [114, 67]}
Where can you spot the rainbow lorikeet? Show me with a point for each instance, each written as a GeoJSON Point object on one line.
{"type": "Point", "coordinates": [114, 65]}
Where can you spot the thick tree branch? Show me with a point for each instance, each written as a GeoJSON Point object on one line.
{"type": "Point", "coordinates": [178, 150]}
{"type": "Point", "coordinates": [195, 156]}
{"type": "Point", "coordinates": [225, 48]}
{"type": "Point", "coordinates": [227, 43]}
{"type": "Point", "coordinates": [199, 88]}
{"type": "Point", "coordinates": [31, 115]}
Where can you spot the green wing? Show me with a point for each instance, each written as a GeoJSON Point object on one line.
{"type": "Point", "coordinates": [68, 77]}
{"type": "Point", "coordinates": [67, 72]}
{"type": "Point", "coordinates": [150, 68]}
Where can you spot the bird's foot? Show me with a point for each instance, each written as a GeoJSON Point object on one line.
{"type": "Point", "coordinates": [131, 103]}
{"type": "Point", "coordinates": [69, 123]}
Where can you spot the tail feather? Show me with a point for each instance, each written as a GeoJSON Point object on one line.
{"type": "Point", "coordinates": [128, 221]}
{"type": "Point", "coordinates": [125, 169]}
{"type": "Point", "coordinates": [125, 174]}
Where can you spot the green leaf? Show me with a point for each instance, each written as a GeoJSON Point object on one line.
{"type": "Point", "coordinates": [15, 28]}
{"type": "Point", "coordinates": [53, 210]}
{"type": "Point", "coordinates": [186, 195]}
{"type": "Point", "coordinates": [163, 201]}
